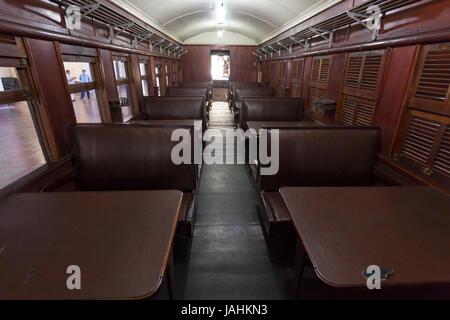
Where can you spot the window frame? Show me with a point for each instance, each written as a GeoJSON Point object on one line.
{"type": "Point", "coordinates": [148, 76]}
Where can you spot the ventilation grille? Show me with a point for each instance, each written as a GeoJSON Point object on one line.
{"type": "Point", "coordinates": [353, 72]}
{"type": "Point", "coordinates": [363, 71]}
{"type": "Point", "coordinates": [356, 112]}
{"type": "Point", "coordinates": [442, 158]}
{"type": "Point", "coordinates": [435, 78]}
{"type": "Point", "coordinates": [294, 69]}
{"type": "Point", "coordinates": [419, 139]}
{"type": "Point", "coordinates": [316, 95]}
{"type": "Point", "coordinates": [364, 114]}
{"type": "Point", "coordinates": [370, 72]}
{"type": "Point", "coordinates": [324, 69]}
{"type": "Point", "coordinates": [315, 69]}
{"type": "Point", "coordinates": [348, 111]}
{"type": "Point", "coordinates": [297, 70]}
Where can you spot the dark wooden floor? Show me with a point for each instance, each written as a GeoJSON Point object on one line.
{"type": "Point", "coordinates": [228, 258]}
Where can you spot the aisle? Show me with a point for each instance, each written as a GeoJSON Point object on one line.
{"type": "Point", "coordinates": [229, 257]}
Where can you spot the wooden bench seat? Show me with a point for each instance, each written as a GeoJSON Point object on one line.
{"type": "Point", "coordinates": [132, 157]}
{"type": "Point", "coordinates": [317, 156]}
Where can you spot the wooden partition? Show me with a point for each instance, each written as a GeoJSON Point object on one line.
{"type": "Point", "coordinates": [37, 37]}
{"type": "Point", "coordinates": [399, 81]}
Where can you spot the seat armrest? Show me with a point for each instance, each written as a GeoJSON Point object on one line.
{"type": "Point", "coordinates": [69, 177]}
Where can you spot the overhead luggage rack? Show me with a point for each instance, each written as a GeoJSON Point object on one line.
{"type": "Point", "coordinates": [119, 24]}
{"type": "Point", "coordinates": [325, 29]}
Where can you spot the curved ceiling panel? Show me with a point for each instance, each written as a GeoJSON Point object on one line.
{"type": "Point", "coordinates": [253, 19]}
{"type": "Point", "coordinates": [228, 38]}
{"type": "Point", "coordinates": [197, 23]}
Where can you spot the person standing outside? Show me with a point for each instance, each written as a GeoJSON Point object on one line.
{"type": "Point", "coordinates": [84, 77]}
{"type": "Point", "coordinates": [70, 80]}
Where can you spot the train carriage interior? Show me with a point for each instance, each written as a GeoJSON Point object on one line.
{"type": "Point", "coordinates": [225, 150]}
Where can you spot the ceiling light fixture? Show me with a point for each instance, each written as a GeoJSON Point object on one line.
{"type": "Point", "coordinates": [220, 13]}
{"type": "Point", "coordinates": [220, 33]}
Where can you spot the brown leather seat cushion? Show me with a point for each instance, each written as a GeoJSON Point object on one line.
{"type": "Point", "coordinates": [128, 157]}
{"type": "Point", "coordinates": [324, 156]}
{"type": "Point", "coordinates": [270, 109]}
{"type": "Point", "coordinates": [274, 203]}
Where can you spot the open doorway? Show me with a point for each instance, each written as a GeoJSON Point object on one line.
{"type": "Point", "coordinates": [220, 65]}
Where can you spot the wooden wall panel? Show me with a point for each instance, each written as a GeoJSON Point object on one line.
{"type": "Point", "coordinates": [335, 77]}
{"type": "Point", "coordinates": [106, 65]}
{"type": "Point", "coordinates": [53, 86]}
{"type": "Point", "coordinates": [135, 80]}
{"type": "Point", "coordinates": [243, 63]}
{"type": "Point", "coordinates": [396, 83]}
{"type": "Point", "coordinates": [197, 63]}
{"type": "Point", "coordinates": [306, 77]}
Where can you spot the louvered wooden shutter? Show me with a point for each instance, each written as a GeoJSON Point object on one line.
{"type": "Point", "coordinates": [362, 80]}
{"type": "Point", "coordinates": [319, 79]}
{"type": "Point", "coordinates": [423, 142]}
{"type": "Point", "coordinates": [431, 90]}
{"type": "Point", "coordinates": [315, 95]}
{"type": "Point", "coordinates": [320, 71]}
{"type": "Point", "coordinates": [282, 79]}
{"type": "Point", "coordinates": [273, 74]}
{"type": "Point", "coordinates": [424, 146]}
{"type": "Point", "coordinates": [297, 76]}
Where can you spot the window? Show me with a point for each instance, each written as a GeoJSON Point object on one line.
{"type": "Point", "coordinates": [167, 73]}
{"type": "Point", "coordinates": [82, 74]}
{"type": "Point", "coordinates": [20, 144]}
{"type": "Point", "coordinates": [145, 83]}
{"type": "Point", "coordinates": [362, 80]}
{"type": "Point", "coordinates": [220, 65]}
{"type": "Point", "coordinates": [158, 77]}
{"type": "Point", "coordinates": [123, 84]}
{"type": "Point", "coordinates": [422, 144]}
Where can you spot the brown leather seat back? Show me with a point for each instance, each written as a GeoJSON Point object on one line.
{"type": "Point", "coordinates": [253, 92]}
{"type": "Point", "coordinates": [193, 84]}
{"type": "Point", "coordinates": [161, 108]}
{"type": "Point", "coordinates": [128, 157]}
{"type": "Point", "coordinates": [187, 92]}
{"type": "Point", "coordinates": [325, 156]}
{"type": "Point", "coordinates": [236, 85]}
{"type": "Point", "coordinates": [270, 109]}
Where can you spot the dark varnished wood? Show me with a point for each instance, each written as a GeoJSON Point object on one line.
{"type": "Point", "coordinates": [397, 76]}
{"type": "Point", "coordinates": [257, 125]}
{"type": "Point", "coordinates": [197, 63]}
{"type": "Point", "coordinates": [346, 229]}
{"type": "Point", "coordinates": [56, 96]}
{"type": "Point", "coordinates": [121, 244]}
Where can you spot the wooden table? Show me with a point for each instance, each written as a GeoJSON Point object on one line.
{"type": "Point", "coordinates": [121, 240]}
{"type": "Point", "coordinates": [346, 229]}
{"type": "Point", "coordinates": [257, 125]}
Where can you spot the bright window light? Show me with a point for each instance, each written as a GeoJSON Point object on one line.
{"type": "Point", "coordinates": [220, 13]}
{"type": "Point", "coordinates": [220, 33]}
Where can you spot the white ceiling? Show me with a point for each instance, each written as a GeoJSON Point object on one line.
{"type": "Point", "coordinates": [247, 21]}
